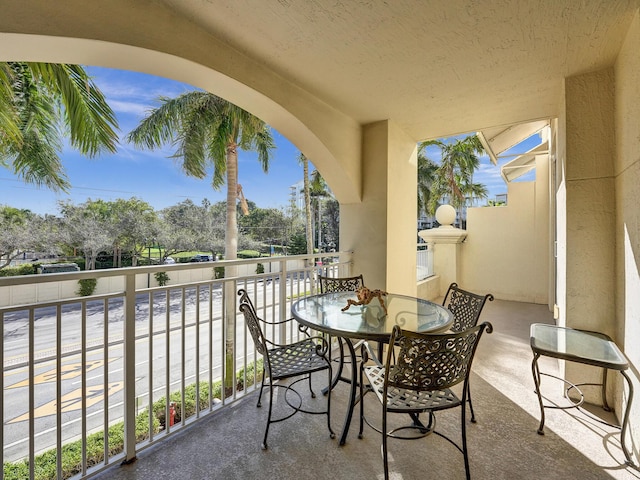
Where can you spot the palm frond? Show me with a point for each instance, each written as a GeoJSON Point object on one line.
{"type": "Point", "coordinates": [9, 120]}
{"type": "Point", "coordinates": [90, 120]}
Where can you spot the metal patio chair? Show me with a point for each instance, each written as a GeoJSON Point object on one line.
{"type": "Point", "coordinates": [419, 379]}
{"type": "Point", "coordinates": [286, 361]}
{"type": "Point", "coordinates": [466, 308]}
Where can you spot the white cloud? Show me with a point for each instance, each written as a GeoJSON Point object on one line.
{"type": "Point", "coordinates": [135, 108]}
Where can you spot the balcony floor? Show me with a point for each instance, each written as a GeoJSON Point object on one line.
{"type": "Point", "coordinates": [502, 445]}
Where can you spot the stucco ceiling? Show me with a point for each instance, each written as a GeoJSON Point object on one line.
{"type": "Point", "coordinates": [477, 64]}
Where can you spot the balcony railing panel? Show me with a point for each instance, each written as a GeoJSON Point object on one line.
{"type": "Point", "coordinates": [135, 362]}
{"type": "Point", "coordinates": [424, 262]}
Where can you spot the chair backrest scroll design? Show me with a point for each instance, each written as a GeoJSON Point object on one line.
{"type": "Point", "coordinates": [466, 307]}
{"type": "Point", "coordinates": [253, 322]}
{"type": "Point", "coordinates": [432, 362]}
{"type": "Point", "coordinates": [340, 284]}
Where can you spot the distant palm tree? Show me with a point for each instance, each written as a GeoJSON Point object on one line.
{"type": "Point", "coordinates": [453, 178]}
{"type": "Point", "coordinates": [38, 103]}
{"type": "Point", "coordinates": [307, 203]}
{"type": "Point", "coordinates": [426, 175]}
{"type": "Point", "coordinates": [318, 190]}
{"type": "Point", "coordinates": [208, 131]}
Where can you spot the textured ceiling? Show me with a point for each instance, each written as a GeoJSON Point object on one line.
{"type": "Point", "coordinates": [435, 68]}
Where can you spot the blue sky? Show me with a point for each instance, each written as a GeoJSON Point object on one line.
{"type": "Point", "coordinates": [157, 179]}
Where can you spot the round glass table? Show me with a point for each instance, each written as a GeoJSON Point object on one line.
{"type": "Point", "coordinates": [326, 313]}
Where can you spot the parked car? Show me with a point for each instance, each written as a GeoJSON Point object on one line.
{"type": "Point", "coordinates": [169, 261]}
{"type": "Point", "coordinates": [201, 258]}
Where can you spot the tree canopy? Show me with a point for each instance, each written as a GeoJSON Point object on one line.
{"type": "Point", "coordinates": [452, 179]}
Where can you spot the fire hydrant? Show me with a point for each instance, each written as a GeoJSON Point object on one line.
{"type": "Point", "coordinates": [172, 413]}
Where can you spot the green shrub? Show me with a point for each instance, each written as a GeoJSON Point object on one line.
{"type": "Point", "coordinates": [250, 374]}
{"type": "Point", "coordinates": [248, 254]}
{"type": "Point", "coordinates": [87, 286]}
{"type": "Point", "coordinates": [162, 278]}
{"type": "Point", "coordinates": [24, 269]}
{"type": "Point", "coordinates": [45, 464]}
{"type": "Point", "coordinates": [218, 273]}
{"type": "Point", "coordinates": [259, 269]}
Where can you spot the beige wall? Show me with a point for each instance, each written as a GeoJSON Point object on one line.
{"type": "Point", "coordinates": [601, 165]}
{"type": "Point", "coordinates": [590, 203]}
{"type": "Point", "coordinates": [388, 205]}
{"type": "Point", "coordinates": [506, 252]}
{"type": "Point", "coordinates": [590, 211]}
{"type": "Point", "coordinates": [627, 220]}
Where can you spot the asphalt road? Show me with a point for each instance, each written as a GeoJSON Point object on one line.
{"type": "Point", "coordinates": [104, 366]}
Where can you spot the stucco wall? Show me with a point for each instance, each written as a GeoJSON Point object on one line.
{"type": "Point", "coordinates": [507, 248]}
{"type": "Point", "coordinates": [590, 211]}
{"type": "Point", "coordinates": [53, 291]}
{"type": "Point", "coordinates": [387, 261]}
{"type": "Point", "coordinates": [590, 201]}
{"type": "Point", "coordinates": [627, 224]}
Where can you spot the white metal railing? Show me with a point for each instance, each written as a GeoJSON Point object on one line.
{"type": "Point", "coordinates": [106, 367]}
{"type": "Point", "coordinates": [424, 262]}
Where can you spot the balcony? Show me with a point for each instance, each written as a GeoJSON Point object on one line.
{"type": "Point", "coordinates": [503, 444]}
{"type": "Point", "coordinates": [98, 351]}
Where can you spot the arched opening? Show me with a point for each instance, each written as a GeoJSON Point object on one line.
{"type": "Point", "coordinates": [318, 131]}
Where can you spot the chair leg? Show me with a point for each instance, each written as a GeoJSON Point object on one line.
{"type": "Point", "coordinates": [465, 452]}
{"type": "Point", "coordinates": [313, 394]}
{"type": "Point", "coordinates": [331, 432]}
{"type": "Point", "coordinates": [338, 375]}
{"type": "Point", "coordinates": [266, 431]}
{"type": "Point", "coordinates": [473, 415]}
{"type": "Point", "coordinates": [385, 453]}
{"type": "Point", "coordinates": [261, 389]}
{"type": "Point", "coordinates": [361, 400]}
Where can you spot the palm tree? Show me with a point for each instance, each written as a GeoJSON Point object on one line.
{"type": "Point", "coordinates": [454, 176]}
{"type": "Point", "coordinates": [318, 190]}
{"type": "Point", "coordinates": [426, 175]}
{"type": "Point", "coordinates": [208, 131]}
{"type": "Point", "coordinates": [307, 203]}
{"type": "Point", "coordinates": [38, 102]}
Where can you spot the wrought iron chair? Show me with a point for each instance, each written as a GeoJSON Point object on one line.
{"type": "Point", "coordinates": [340, 284]}
{"type": "Point", "coordinates": [284, 361]}
{"type": "Point", "coordinates": [466, 308]}
{"type": "Point", "coordinates": [419, 379]}
{"type": "Point", "coordinates": [333, 285]}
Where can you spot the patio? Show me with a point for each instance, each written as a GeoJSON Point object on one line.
{"type": "Point", "coordinates": [502, 445]}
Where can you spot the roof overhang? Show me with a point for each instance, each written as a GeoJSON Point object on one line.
{"type": "Point", "coordinates": [522, 163]}
{"type": "Point", "coordinates": [498, 140]}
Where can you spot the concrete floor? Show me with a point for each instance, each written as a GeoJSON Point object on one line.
{"type": "Point", "coordinates": [503, 444]}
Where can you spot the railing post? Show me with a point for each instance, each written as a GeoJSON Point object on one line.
{"type": "Point", "coordinates": [430, 268]}
{"type": "Point", "coordinates": [283, 299]}
{"type": "Point", "coordinates": [130, 369]}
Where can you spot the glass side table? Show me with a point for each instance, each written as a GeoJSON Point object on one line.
{"type": "Point", "coordinates": [580, 346]}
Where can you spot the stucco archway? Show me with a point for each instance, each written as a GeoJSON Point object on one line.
{"type": "Point", "coordinates": [321, 133]}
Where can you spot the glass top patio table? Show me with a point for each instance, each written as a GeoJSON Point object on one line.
{"type": "Point", "coordinates": [324, 313]}
{"type": "Point", "coordinates": [591, 348]}
{"type": "Point", "coordinates": [586, 347]}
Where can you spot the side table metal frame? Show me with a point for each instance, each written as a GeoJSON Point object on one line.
{"type": "Point", "coordinates": [563, 355]}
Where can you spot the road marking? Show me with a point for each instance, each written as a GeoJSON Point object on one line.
{"type": "Point", "coordinates": [69, 371]}
{"type": "Point", "coordinates": [72, 401]}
